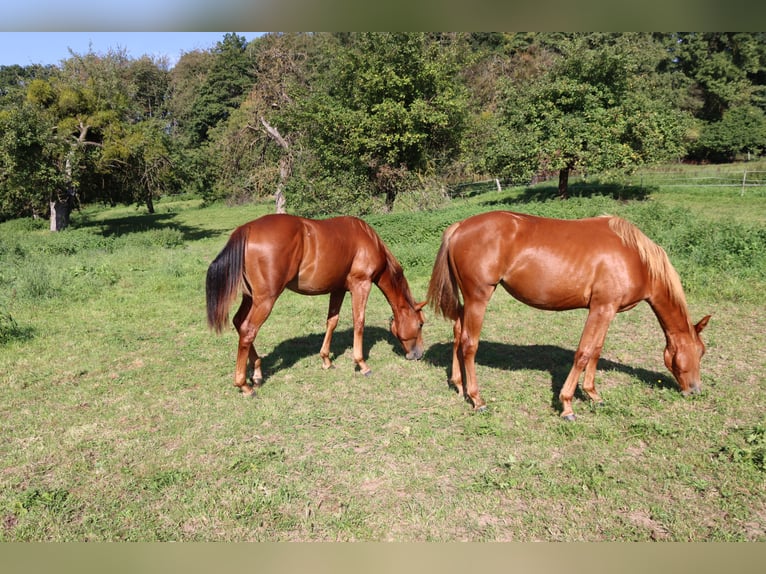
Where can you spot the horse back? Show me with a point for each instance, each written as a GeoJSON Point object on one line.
{"type": "Point", "coordinates": [311, 256]}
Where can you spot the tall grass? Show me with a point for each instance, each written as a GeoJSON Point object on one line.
{"type": "Point", "coordinates": [120, 420]}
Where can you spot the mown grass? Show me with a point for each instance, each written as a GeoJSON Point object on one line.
{"type": "Point", "coordinates": [120, 421]}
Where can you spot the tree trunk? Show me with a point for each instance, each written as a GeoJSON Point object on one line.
{"type": "Point", "coordinates": [60, 211]}
{"type": "Point", "coordinates": [563, 183]}
{"type": "Point", "coordinates": [285, 164]}
{"type": "Point", "coordinates": [279, 195]}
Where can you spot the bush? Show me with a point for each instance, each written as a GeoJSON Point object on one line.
{"type": "Point", "coordinates": [330, 195]}
{"type": "Point", "coordinates": [741, 129]}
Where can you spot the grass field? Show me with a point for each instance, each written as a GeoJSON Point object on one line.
{"type": "Point", "coordinates": [120, 421]}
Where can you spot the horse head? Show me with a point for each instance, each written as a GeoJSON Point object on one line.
{"type": "Point", "coordinates": [407, 326]}
{"type": "Point", "coordinates": [682, 358]}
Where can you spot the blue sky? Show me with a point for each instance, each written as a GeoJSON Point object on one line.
{"type": "Point", "coordinates": [121, 15]}
{"type": "Point", "coordinates": [25, 48]}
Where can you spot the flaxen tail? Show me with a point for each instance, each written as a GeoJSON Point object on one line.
{"type": "Point", "coordinates": [224, 277]}
{"type": "Point", "coordinates": [443, 294]}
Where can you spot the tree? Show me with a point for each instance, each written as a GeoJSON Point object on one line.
{"type": "Point", "coordinates": [727, 69]}
{"type": "Point", "coordinates": [206, 88]}
{"type": "Point", "coordinates": [742, 129]}
{"type": "Point", "coordinates": [254, 149]}
{"type": "Point", "coordinates": [95, 129]}
{"type": "Point", "coordinates": [726, 75]}
{"type": "Point", "coordinates": [31, 172]}
{"type": "Point", "coordinates": [601, 108]}
{"type": "Point", "coordinates": [388, 107]}
{"type": "Point", "coordinates": [225, 85]}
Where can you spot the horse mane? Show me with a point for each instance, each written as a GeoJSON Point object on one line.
{"type": "Point", "coordinates": [396, 274]}
{"type": "Point", "coordinates": [653, 256]}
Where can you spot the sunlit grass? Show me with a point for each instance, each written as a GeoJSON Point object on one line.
{"type": "Point", "coordinates": [121, 422]}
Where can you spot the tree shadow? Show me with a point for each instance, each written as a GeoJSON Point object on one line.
{"type": "Point", "coordinates": [290, 351]}
{"type": "Point", "coordinates": [557, 361]}
{"type": "Point", "coordinates": [142, 223]}
{"type": "Point", "coordinates": [542, 193]}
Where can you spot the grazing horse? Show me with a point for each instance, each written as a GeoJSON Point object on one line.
{"type": "Point", "coordinates": [311, 257]}
{"type": "Point", "coordinates": [604, 264]}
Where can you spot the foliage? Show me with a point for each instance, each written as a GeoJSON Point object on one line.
{"type": "Point", "coordinates": [30, 162]}
{"type": "Point", "coordinates": [334, 118]}
{"type": "Point", "coordinates": [741, 130]}
{"type": "Point", "coordinates": [600, 109]}
{"type": "Point", "coordinates": [225, 85]}
{"type": "Point", "coordinates": [725, 68]}
{"type": "Point", "coordinates": [387, 107]}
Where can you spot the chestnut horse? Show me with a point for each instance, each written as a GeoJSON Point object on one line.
{"type": "Point", "coordinates": [277, 252]}
{"type": "Point", "coordinates": [604, 264]}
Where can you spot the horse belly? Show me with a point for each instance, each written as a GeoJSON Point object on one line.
{"type": "Point", "coordinates": [312, 280]}
{"type": "Point", "coordinates": [327, 265]}
{"type": "Point", "coordinates": [558, 284]}
{"type": "Point", "coordinates": [552, 292]}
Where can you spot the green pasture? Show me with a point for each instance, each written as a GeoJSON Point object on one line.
{"type": "Point", "coordinates": [120, 421]}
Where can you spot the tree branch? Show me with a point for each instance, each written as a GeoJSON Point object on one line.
{"type": "Point", "coordinates": [275, 135]}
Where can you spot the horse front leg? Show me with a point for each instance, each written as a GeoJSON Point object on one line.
{"type": "Point", "coordinates": [333, 314]}
{"type": "Point", "coordinates": [586, 357]}
{"type": "Point", "coordinates": [359, 294]}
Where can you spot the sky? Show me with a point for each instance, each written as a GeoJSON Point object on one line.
{"type": "Point", "coordinates": [26, 48]}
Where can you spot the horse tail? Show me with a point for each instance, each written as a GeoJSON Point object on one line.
{"type": "Point", "coordinates": [224, 277]}
{"type": "Point", "coordinates": [442, 289]}
{"type": "Point", "coordinates": [653, 256]}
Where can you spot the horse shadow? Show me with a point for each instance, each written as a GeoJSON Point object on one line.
{"type": "Point", "coordinates": [556, 360]}
{"type": "Point", "coordinates": [290, 351]}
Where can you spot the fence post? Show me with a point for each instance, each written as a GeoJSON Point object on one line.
{"type": "Point", "coordinates": [744, 179]}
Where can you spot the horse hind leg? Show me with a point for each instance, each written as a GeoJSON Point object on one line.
{"type": "Point", "coordinates": [589, 380]}
{"type": "Point", "coordinates": [472, 321]}
{"type": "Point", "coordinates": [456, 375]}
{"type": "Point", "coordinates": [248, 321]}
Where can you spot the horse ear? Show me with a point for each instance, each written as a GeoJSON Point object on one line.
{"type": "Point", "coordinates": [702, 324]}
{"type": "Point", "coordinates": [419, 306]}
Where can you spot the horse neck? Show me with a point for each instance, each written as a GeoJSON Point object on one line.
{"type": "Point", "coordinates": [394, 287]}
{"type": "Point", "coordinates": [672, 314]}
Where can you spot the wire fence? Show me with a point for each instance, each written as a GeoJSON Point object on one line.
{"type": "Point", "coordinates": [743, 179]}
{"type": "Point", "coordinates": [740, 179]}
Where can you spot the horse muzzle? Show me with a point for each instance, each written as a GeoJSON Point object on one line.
{"type": "Point", "coordinates": [415, 354]}
{"type": "Point", "coordinates": [693, 389]}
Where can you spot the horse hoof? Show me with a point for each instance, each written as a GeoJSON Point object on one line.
{"type": "Point", "coordinates": [367, 373]}
{"type": "Point", "coordinates": [569, 418]}
{"type": "Point", "coordinates": [481, 410]}
{"type": "Point", "coordinates": [600, 404]}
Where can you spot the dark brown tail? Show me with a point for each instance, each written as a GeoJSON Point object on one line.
{"type": "Point", "coordinates": [443, 290]}
{"type": "Point", "coordinates": [224, 277]}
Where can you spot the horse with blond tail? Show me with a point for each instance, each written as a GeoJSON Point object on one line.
{"type": "Point", "coordinates": [604, 264]}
